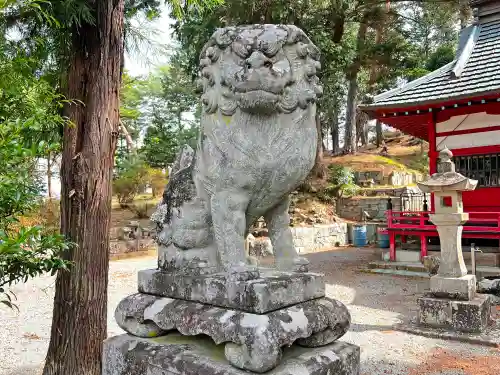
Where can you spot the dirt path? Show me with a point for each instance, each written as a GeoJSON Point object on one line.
{"type": "Point", "coordinates": [376, 303]}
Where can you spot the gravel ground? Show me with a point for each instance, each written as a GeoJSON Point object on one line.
{"type": "Point", "coordinates": [376, 303]}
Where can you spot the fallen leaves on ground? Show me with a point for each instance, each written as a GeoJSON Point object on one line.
{"type": "Point", "coordinates": [121, 275]}
{"type": "Point", "coordinates": [464, 363]}
{"type": "Point", "coordinates": [31, 336]}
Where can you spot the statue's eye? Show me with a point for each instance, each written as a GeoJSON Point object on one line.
{"type": "Point", "coordinates": [268, 64]}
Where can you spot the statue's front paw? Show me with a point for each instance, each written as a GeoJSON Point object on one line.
{"type": "Point", "coordinates": [300, 264]}
{"type": "Point", "coordinates": [252, 261]}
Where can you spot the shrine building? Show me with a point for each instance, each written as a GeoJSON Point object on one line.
{"type": "Point", "coordinates": [455, 107]}
{"type": "Point", "coordinates": [458, 106]}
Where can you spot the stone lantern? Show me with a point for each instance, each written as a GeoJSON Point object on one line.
{"type": "Point", "coordinates": [447, 186]}
{"type": "Point", "coordinates": [453, 301]}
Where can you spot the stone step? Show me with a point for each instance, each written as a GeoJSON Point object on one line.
{"type": "Point", "coordinates": [413, 254]}
{"type": "Point", "coordinates": [418, 269]}
{"type": "Point", "coordinates": [402, 266]}
{"type": "Point", "coordinates": [397, 272]}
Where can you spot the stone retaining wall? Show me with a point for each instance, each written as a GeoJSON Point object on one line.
{"type": "Point", "coordinates": [353, 208]}
{"type": "Point", "coordinates": [305, 239]}
{"type": "Point", "coordinates": [395, 178]}
{"type": "Point", "coordinates": [120, 247]}
{"type": "Point", "coordinates": [309, 239]}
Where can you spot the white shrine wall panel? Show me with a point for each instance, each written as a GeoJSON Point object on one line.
{"type": "Point", "coordinates": [468, 122]}
{"type": "Point", "coordinates": [488, 138]}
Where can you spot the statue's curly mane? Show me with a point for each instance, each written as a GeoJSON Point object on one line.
{"type": "Point", "coordinates": [303, 85]}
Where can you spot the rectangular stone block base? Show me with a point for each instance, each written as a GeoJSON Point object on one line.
{"type": "Point", "coordinates": [181, 355]}
{"type": "Point", "coordinates": [464, 316]}
{"type": "Point", "coordinates": [273, 290]}
{"type": "Point", "coordinates": [460, 288]}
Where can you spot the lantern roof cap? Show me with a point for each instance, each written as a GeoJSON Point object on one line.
{"type": "Point", "coordinates": [446, 178]}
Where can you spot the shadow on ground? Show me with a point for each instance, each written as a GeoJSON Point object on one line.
{"type": "Point", "coordinates": [343, 269]}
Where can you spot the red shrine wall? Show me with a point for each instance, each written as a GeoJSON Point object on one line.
{"type": "Point", "coordinates": [474, 135]}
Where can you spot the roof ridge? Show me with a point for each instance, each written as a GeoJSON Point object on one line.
{"type": "Point", "coordinates": [467, 50]}
{"type": "Point", "coordinates": [414, 83]}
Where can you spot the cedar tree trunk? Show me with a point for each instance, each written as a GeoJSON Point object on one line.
{"type": "Point", "coordinates": [80, 304]}
{"type": "Point", "coordinates": [362, 127]}
{"type": "Point", "coordinates": [380, 134]}
{"type": "Point", "coordinates": [335, 131]}
{"type": "Point", "coordinates": [350, 144]}
{"type": "Point", "coordinates": [49, 176]}
{"type": "Point", "coordinates": [319, 169]}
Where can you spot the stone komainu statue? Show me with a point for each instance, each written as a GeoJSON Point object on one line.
{"type": "Point", "coordinates": [257, 143]}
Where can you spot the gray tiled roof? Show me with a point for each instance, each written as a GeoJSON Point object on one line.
{"type": "Point", "coordinates": [477, 67]}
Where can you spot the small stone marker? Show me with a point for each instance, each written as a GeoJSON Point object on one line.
{"type": "Point", "coordinates": [453, 302]}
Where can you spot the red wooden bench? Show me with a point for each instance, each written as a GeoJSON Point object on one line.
{"type": "Point", "coordinates": [416, 223]}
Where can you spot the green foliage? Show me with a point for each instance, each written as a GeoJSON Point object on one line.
{"type": "Point", "coordinates": [131, 179]}
{"type": "Point", "coordinates": [157, 181]}
{"type": "Point", "coordinates": [172, 101]}
{"type": "Point", "coordinates": [399, 44]}
{"type": "Point", "coordinates": [341, 180]}
{"type": "Point", "coordinates": [443, 55]}
{"type": "Point", "coordinates": [25, 251]}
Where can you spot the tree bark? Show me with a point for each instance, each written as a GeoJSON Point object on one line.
{"type": "Point", "coordinates": [319, 169]}
{"type": "Point", "coordinates": [374, 76]}
{"type": "Point", "coordinates": [335, 132]}
{"type": "Point", "coordinates": [128, 138]}
{"type": "Point", "coordinates": [380, 134]}
{"type": "Point", "coordinates": [350, 144]}
{"type": "Point", "coordinates": [49, 176]}
{"type": "Point", "coordinates": [361, 127]}
{"type": "Point", "coordinates": [80, 304]}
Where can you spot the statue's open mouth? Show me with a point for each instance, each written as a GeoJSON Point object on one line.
{"type": "Point", "coordinates": [258, 100]}
{"type": "Point", "coordinates": [256, 92]}
{"type": "Point", "coordinates": [275, 90]}
{"type": "Point", "coordinates": [267, 83]}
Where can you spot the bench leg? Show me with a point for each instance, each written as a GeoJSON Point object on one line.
{"type": "Point", "coordinates": [423, 246]}
{"type": "Point", "coordinates": [392, 247]}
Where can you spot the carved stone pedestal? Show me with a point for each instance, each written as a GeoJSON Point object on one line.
{"type": "Point", "coordinates": [181, 355]}
{"type": "Point", "coordinates": [272, 290]}
{"type": "Point", "coordinates": [252, 342]}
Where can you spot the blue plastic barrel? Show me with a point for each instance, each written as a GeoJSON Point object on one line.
{"type": "Point", "coordinates": [382, 238]}
{"type": "Point", "coordinates": [359, 235]}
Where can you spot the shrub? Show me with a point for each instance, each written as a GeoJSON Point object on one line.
{"type": "Point", "coordinates": [26, 250]}
{"type": "Point", "coordinates": [27, 253]}
{"type": "Point", "coordinates": [47, 214]}
{"type": "Point", "coordinates": [140, 210]}
{"type": "Point", "coordinates": [132, 179]}
{"type": "Point", "coordinates": [125, 189]}
{"type": "Point", "coordinates": [341, 181]}
{"type": "Point", "coordinates": [157, 181]}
